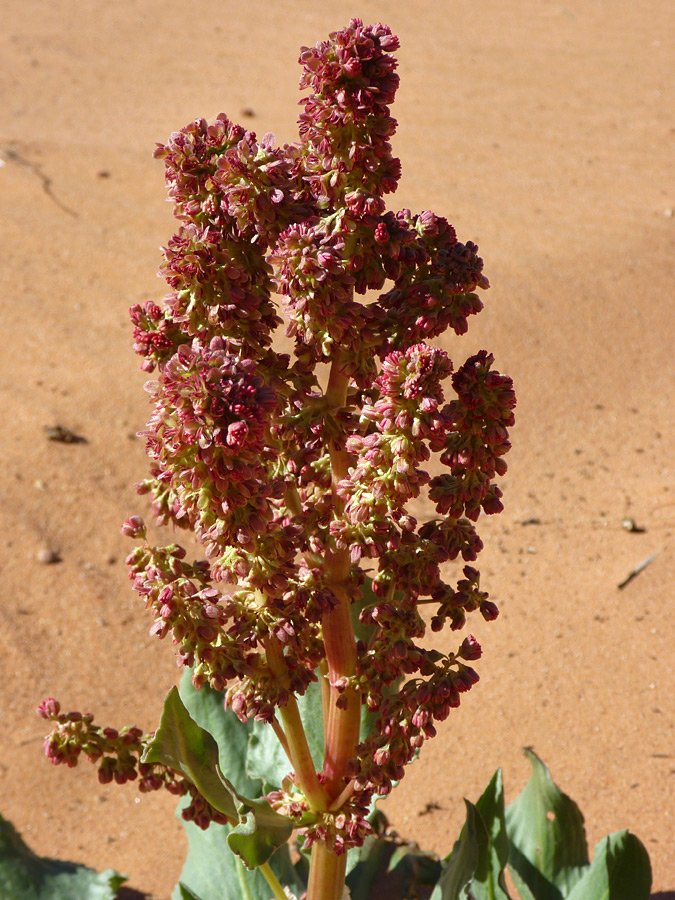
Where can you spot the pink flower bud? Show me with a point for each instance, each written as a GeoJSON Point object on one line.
{"type": "Point", "coordinates": [489, 610]}
{"type": "Point", "coordinates": [470, 648]}
{"type": "Point", "coordinates": [134, 527]}
{"type": "Point", "coordinates": [49, 709]}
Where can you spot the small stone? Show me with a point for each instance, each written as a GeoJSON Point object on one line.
{"type": "Point", "coordinates": [629, 524]}
{"type": "Point", "coordinates": [47, 555]}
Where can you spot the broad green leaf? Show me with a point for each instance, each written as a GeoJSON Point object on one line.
{"type": "Point", "coordinates": [25, 876]}
{"type": "Point", "coordinates": [369, 866]}
{"type": "Point", "coordinates": [185, 747]}
{"type": "Point", "coordinates": [184, 893]}
{"type": "Point", "coordinates": [459, 867]}
{"type": "Point", "coordinates": [488, 882]}
{"type": "Point", "coordinates": [522, 888]}
{"type": "Point", "coordinates": [206, 707]}
{"type": "Point", "coordinates": [546, 832]}
{"type": "Point", "coordinates": [620, 871]}
{"type": "Point", "coordinates": [259, 833]}
{"type": "Point", "coordinates": [411, 872]}
{"type": "Point", "coordinates": [213, 872]}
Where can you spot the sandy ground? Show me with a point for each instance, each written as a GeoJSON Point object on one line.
{"type": "Point", "coordinates": [544, 131]}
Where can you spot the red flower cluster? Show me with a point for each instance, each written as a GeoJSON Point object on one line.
{"type": "Point", "coordinates": [288, 486]}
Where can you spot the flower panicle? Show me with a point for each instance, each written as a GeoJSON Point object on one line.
{"type": "Point", "coordinates": [295, 491]}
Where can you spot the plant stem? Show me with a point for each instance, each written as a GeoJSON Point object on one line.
{"type": "Point", "coordinates": [297, 748]}
{"type": "Point", "coordinates": [273, 882]}
{"type": "Point", "coordinates": [326, 874]}
{"type": "Point", "coordinates": [325, 697]}
{"type": "Point", "coordinates": [300, 754]}
{"type": "Point", "coordinates": [342, 722]}
{"type": "Point", "coordinates": [342, 798]}
{"type": "Point", "coordinates": [283, 740]}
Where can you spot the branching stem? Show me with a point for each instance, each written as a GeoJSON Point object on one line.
{"type": "Point", "coordinates": [283, 740]}
{"type": "Point", "coordinates": [296, 747]}
{"type": "Point", "coordinates": [342, 798]}
{"type": "Point", "coordinates": [273, 881]}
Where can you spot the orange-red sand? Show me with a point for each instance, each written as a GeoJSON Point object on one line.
{"type": "Point", "coordinates": [544, 132]}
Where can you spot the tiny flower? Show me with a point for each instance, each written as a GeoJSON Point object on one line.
{"type": "Point", "coordinates": [49, 709]}
{"type": "Point", "coordinates": [134, 527]}
{"type": "Point", "coordinates": [470, 648]}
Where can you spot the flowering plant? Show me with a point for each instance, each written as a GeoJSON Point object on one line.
{"type": "Point", "coordinates": [298, 486]}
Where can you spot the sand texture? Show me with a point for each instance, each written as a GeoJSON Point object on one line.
{"type": "Point", "coordinates": [543, 130]}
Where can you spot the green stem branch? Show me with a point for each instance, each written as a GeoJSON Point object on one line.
{"type": "Point", "coordinates": [296, 747]}
{"type": "Point", "coordinates": [273, 881]}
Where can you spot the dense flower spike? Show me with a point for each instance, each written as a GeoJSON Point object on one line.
{"type": "Point", "coordinates": [295, 490]}
{"type": "Point", "coordinates": [346, 125]}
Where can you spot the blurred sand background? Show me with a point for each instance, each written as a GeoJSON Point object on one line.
{"type": "Point", "coordinates": [543, 129]}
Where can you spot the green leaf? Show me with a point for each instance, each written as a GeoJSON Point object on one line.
{"type": "Point", "coordinates": [521, 886]}
{"type": "Point", "coordinates": [412, 873]}
{"type": "Point", "coordinates": [25, 876]}
{"type": "Point", "coordinates": [213, 872]}
{"type": "Point", "coordinates": [493, 845]}
{"type": "Point", "coordinates": [184, 893]}
{"type": "Point", "coordinates": [207, 708]}
{"type": "Point", "coordinates": [259, 833]}
{"type": "Point", "coordinates": [369, 866]}
{"type": "Point", "coordinates": [460, 865]}
{"type": "Point", "coordinates": [547, 837]}
{"type": "Point", "coordinates": [620, 871]}
{"type": "Point", "coordinates": [185, 747]}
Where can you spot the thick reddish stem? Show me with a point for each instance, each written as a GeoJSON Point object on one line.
{"type": "Point", "coordinates": [326, 874]}
{"type": "Point", "coordinates": [342, 722]}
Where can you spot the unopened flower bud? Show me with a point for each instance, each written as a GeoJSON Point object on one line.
{"type": "Point", "coordinates": [49, 709]}
{"type": "Point", "coordinates": [134, 527]}
{"type": "Point", "coordinates": [470, 648]}
{"type": "Point", "coordinates": [489, 610]}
